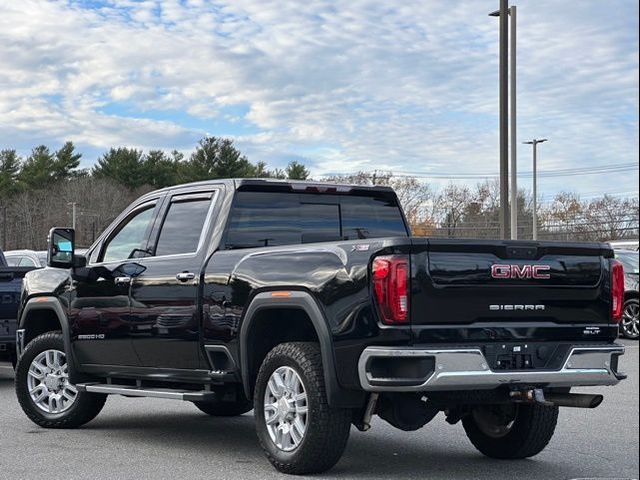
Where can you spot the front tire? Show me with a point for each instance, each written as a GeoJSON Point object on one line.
{"type": "Point", "coordinates": [511, 432]}
{"type": "Point", "coordinates": [298, 431]}
{"type": "Point", "coordinates": [43, 388]}
{"type": "Point", "coordinates": [629, 322]}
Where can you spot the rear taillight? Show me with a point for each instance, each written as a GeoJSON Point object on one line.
{"type": "Point", "coordinates": [391, 287]}
{"type": "Point", "coordinates": [617, 291]}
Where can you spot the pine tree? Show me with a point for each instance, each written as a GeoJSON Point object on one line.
{"type": "Point", "coordinates": [296, 171]}
{"type": "Point", "coordinates": [122, 164]}
{"type": "Point", "coordinates": [9, 170]}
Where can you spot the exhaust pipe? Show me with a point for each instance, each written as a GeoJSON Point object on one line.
{"type": "Point", "coordinates": [575, 400]}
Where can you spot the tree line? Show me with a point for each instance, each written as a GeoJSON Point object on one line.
{"type": "Point", "coordinates": [212, 158]}
{"type": "Point", "coordinates": [39, 191]}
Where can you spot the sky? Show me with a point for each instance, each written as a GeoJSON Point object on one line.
{"type": "Point", "coordinates": [409, 87]}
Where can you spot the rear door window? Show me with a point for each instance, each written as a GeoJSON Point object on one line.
{"type": "Point", "coordinates": [183, 225]}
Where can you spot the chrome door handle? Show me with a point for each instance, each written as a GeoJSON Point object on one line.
{"type": "Point", "coordinates": [122, 280]}
{"type": "Point", "coordinates": [185, 276]}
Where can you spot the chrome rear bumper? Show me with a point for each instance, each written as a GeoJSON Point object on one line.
{"type": "Point", "coordinates": [468, 369]}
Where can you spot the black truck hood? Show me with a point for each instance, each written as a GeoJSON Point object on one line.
{"type": "Point", "coordinates": [46, 281]}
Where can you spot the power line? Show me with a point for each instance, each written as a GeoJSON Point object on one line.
{"type": "Point", "coordinates": [595, 170]}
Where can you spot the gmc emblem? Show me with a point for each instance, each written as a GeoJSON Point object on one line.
{"type": "Point", "coordinates": [520, 271]}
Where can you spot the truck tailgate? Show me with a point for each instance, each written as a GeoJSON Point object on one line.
{"type": "Point", "coordinates": [475, 282]}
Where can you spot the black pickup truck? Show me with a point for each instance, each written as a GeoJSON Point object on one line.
{"type": "Point", "coordinates": [10, 284]}
{"type": "Point", "coordinates": [312, 305]}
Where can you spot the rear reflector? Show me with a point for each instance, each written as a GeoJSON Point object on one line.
{"type": "Point", "coordinates": [391, 287]}
{"type": "Point", "coordinates": [617, 291]}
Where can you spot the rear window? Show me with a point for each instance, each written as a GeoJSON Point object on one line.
{"type": "Point", "coordinates": [261, 219]}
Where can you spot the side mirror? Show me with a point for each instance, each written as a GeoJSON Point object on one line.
{"type": "Point", "coordinates": [61, 247]}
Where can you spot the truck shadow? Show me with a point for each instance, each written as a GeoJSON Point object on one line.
{"type": "Point", "coordinates": [6, 374]}
{"type": "Point", "coordinates": [368, 455]}
{"type": "Point", "coordinates": [432, 452]}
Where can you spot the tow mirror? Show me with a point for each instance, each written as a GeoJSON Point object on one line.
{"type": "Point", "coordinates": [61, 247]}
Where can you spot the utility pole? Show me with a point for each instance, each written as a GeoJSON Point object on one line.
{"type": "Point", "coordinates": [514, 135]}
{"type": "Point", "coordinates": [504, 116]}
{"type": "Point", "coordinates": [5, 225]}
{"type": "Point", "coordinates": [535, 143]}
{"type": "Point", "coordinates": [73, 214]}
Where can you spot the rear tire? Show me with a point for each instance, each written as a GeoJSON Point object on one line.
{"type": "Point", "coordinates": [312, 435]}
{"type": "Point", "coordinates": [51, 402]}
{"type": "Point", "coordinates": [221, 408]}
{"type": "Point", "coordinates": [521, 433]}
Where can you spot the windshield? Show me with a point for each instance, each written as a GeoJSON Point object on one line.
{"type": "Point", "coordinates": [629, 260]}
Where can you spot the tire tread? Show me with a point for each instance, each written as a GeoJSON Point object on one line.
{"type": "Point", "coordinates": [533, 429]}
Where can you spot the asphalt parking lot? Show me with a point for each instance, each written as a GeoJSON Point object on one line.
{"type": "Point", "coordinates": [152, 438]}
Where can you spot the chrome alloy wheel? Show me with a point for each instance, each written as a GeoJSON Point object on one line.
{"type": "Point", "coordinates": [630, 319]}
{"type": "Point", "coordinates": [286, 409]}
{"type": "Point", "coordinates": [48, 382]}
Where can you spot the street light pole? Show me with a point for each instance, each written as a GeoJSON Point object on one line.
{"type": "Point", "coordinates": [514, 136]}
{"type": "Point", "coordinates": [535, 143]}
{"type": "Point", "coordinates": [504, 116]}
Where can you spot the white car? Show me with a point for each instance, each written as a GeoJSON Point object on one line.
{"type": "Point", "coordinates": [624, 244]}
{"type": "Point", "coordinates": [26, 258]}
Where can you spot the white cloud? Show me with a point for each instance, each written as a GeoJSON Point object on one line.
{"type": "Point", "coordinates": [344, 86]}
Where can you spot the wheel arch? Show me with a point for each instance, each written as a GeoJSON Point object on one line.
{"type": "Point", "coordinates": [631, 295]}
{"type": "Point", "coordinates": [300, 309]}
{"type": "Point", "coordinates": [45, 314]}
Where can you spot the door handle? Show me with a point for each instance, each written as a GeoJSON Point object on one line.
{"type": "Point", "coordinates": [185, 276]}
{"type": "Point", "coordinates": [122, 280]}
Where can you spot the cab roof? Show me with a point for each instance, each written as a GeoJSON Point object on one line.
{"type": "Point", "coordinates": [273, 184]}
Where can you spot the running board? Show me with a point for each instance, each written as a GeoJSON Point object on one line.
{"type": "Point", "coordinates": [133, 391]}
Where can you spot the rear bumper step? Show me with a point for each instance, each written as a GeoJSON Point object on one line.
{"type": "Point", "coordinates": [133, 391]}
{"type": "Point", "coordinates": [412, 369]}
